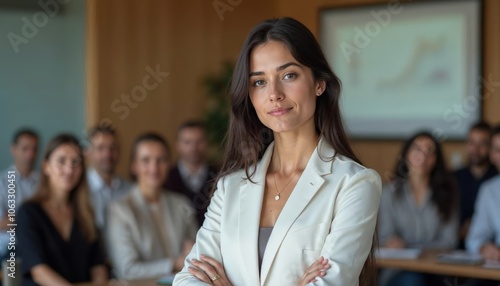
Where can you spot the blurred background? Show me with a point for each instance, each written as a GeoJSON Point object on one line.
{"type": "Point", "coordinates": [151, 65]}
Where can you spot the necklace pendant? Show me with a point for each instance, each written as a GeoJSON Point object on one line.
{"type": "Point", "coordinates": [277, 197]}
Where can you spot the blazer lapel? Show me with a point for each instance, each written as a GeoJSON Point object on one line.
{"type": "Point", "coordinates": [309, 183]}
{"type": "Point", "coordinates": [250, 205]}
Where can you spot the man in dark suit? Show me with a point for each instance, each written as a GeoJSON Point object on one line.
{"type": "Point", "coordinates": [478, 170]}
{"type": "Point", "coordinates": [192, 175]}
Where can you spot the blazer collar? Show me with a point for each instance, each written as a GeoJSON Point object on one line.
{"type": "Point", "coordinates": [251, 196]}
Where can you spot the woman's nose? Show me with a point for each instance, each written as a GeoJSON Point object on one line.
{"type": "Point", "coordinates": [275, 92]}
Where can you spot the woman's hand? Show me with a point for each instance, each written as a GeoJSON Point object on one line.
{"type": "Point", "coordinates": [490, 251]}
{"type": "Point", "coordinates": [316, 269]}
{"type": "Point", "coordinates": [209, 271]}
{"type": "Point", "coordinates": [395, 242]}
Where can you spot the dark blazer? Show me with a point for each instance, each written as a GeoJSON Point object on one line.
{"type": "Point", "coordinates": [199, 200]}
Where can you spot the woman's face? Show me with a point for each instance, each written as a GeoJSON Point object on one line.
{"type": "Point", "coordinates": [421, 156]}
{"type": "Point", "coordinates": [151, 164]}
{"type": "Point", "coordinates": [64, 168]}
{"type": "Point", "coordinates": [282, 91]}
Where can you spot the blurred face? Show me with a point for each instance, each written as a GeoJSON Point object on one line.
{"type": "Point", "coordinates": [103, 153]}
{"type": "Point", "coordinates": [495, 151]}
{"type": "Point", "coordinates": [478, 144]}
{"type": "Point", "coordinates": [64, 168]}
{"type": "Point", "coordinates": [421, 156]}
{"type": "Point", "coordinates": [151, 164]}
{"type": "Point", "coordinates": [192, 145]}
{"type": "Point", "coordinates": [24, 152]}
{"type": "Point", "coordinates": [283, 91]}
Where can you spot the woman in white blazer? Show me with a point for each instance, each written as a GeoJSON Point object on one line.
{"type": "Point", "coordinates": [293, 205]}
{"type": "Point", "coordinates": [149, 231]}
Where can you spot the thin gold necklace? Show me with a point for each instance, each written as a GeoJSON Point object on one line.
{"type": "Point", "coordinates": [277, 197]}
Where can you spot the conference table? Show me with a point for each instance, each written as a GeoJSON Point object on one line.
{"type": "Point", "coordinates": [427, 263]}
{"type": "Point", "coordinates": [146, 282]}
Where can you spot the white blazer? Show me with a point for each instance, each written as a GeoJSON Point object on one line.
{"type": "Point", "coordinates": [331, 212]}
{"type": "Point", "coordinates": [134, 242]}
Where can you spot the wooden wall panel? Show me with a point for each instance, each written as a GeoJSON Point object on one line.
{"type": "Point", "coordinates": [188, 40]}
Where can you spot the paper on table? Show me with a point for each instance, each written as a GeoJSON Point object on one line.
{"type": "Point", "coordinates": [390, 253]}
{"type": "Point", "coordinates": [460, 257]}
{"type": "Point", "coordinates": [493, 264]}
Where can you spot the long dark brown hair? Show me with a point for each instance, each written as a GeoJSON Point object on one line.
{"type": "Point", "coordinates": [443, 187]}
{"type": "Point", "coordinates": [247, 138]}
{"type": "Point", "coordinates": [79, 196]}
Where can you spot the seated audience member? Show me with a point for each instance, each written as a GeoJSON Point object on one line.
{"type": "Point", "coordinates": [24, 151]}
{"type": "Point", "coordinates": [419, 208]}
{"type": "Point", "coordinates": [104, 184]}
{"type": "Point", "coordinates": [484, 233]}
{"type": "Point", "coordinates": [57, 236]}
{"type": "Point", "coordinates": [193, 176]}
{"type": "Point", "coordinates": [150, 231]}
{"type": "Point", "coordinates": [477, 171]}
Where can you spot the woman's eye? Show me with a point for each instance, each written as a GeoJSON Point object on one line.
{"type": "Point", "coordinates": [258, 82]}
{"type": "Point", "coordinates": [290, 76]}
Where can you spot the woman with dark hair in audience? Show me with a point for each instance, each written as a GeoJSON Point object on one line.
{"type": "Point", "coordinates": [419, 208]}
{"type": "Point", "coordinates": [57, 236]}
{"type": "Point", "coordinates": [293, 204]}
{"type": "Point", "coordinates": [150, 231]}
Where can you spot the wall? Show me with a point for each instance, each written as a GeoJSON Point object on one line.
{"type": "Point", "coordinates": [381, 155]}
{"type": "Point", "coordinates": [42, 85]}
{"type": "Point", "coordinates": [188, 40]}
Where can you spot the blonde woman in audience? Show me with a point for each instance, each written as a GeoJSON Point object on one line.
{"type": "Point", "coordinates": [419, 208]}
{"type": "Point", "coordinates": [149, 231]}
{"type": "Point", "coordinates": [57, 236]}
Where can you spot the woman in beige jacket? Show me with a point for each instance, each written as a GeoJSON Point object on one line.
{"type": "Point", "coordinates": [149, 231]}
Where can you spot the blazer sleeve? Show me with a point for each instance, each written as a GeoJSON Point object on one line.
{"type": "Point", "coordinates": [480, 231]}
{"type": "Point", "coordinates": [349, 242]}
{"type": "Point", "coordinates": [207, 239]}
{"type": "Point", "coordinates": [124, 256]}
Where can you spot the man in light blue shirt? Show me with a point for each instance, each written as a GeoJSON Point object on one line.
{"type": "Point", "coordinates": [105, 186]}
{"type": "Point", "coordinates": [484, 233]}
{"type": "Point", "coordinates": [22, 181]}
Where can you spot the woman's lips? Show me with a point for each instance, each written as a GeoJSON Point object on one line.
{"type": "Point", "coordinates": [279, 111]}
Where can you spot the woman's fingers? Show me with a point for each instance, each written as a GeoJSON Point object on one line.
{"type": "Point", "coordinates": [209, 270]}
{"type": "Point", "coordinates": [214, 263]}
{"type": "Point", "coordinates": [317, 269]}
{"type": "Point", "coordinates": [205, 267]}
{"type": "Point", "coordinates": [200, 274]}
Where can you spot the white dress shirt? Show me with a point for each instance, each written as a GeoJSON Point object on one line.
{"type": "Point", "coordinates": [485, 225]}
{"type": "Point", "coordinates": [194, 181]}
{"type": "Point", "coordinates": [102, 194]}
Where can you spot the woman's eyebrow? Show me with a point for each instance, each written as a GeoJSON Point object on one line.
{"type": "Point", "coordinates": [280, 68]}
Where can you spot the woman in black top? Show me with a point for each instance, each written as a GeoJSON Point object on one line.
{"type": "Point", "coordinates": [57, 237]}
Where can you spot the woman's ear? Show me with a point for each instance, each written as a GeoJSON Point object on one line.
{"type": "Point", "coordinates": [320, 87]}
